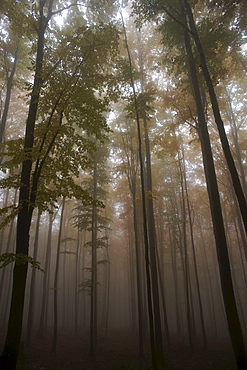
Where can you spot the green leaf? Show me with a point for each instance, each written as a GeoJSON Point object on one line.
{"type": "Point", "coordinates": [19, 259]}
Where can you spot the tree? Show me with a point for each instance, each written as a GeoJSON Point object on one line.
{"type": "Point", "coordinates": [184, 19]}
{"type": "Point", "coordinates": [150, 252]}
{"type": "Point", "coordinates": [41, 147]}
{"type": "Point", "coordinates": [90, 218]}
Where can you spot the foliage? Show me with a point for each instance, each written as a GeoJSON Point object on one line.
{"type": "Point", "coordinates": [19, 259]}
{"type": "Point", "coordinates": [74, 99]}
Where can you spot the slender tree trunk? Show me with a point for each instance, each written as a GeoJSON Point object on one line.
{"type": "Point", "coordinates": [10, 79]}
{"type": "Point", "coordinates": [64, 279]}
{"type": "Point", "coordinates": [205, 346]}
{"type": "Point", "coordinates": [32, 287]}
{"type": "Point", "coordinates": [138, 271]}
{"type": "Point", "coordinates": [93, 296]}
{"type": "Point", "coordinates": [5, 203]}
{"type": "Point", "coordinates": [10, 352]}
{"type": "Point", "coordinates": [82, 278]}
{"type": "Point", "coordinates": [148, 277]}
{"type": "Point", "coordinates": [55, 307]}
{"type": "Point", "coordinates": [150, 262]}
{"type": "Point", "coordinates": [234, 132]}
{"type": "Point", "coordinates": [218, 224]}
{"type": "Point", "coordinates": [132, 177]}
{"type": "Point", "coordinates": [216, 111]}
{"type": "Point", "coordinates": [205, 259]}
{"type": "Point", "coordinates": [184, 255]}
{"type": "Point", "coordinates": [131, 279]}
{"type": "Point", "coordinates": [8, 245]}
{"type": "Point", "coordinates": [78, 243]}
{"type": "Point", "coordinates": [173, 249]}
{"type": "Point", "coordinates": [153, 248]}
{"type": "Point", "coordinates": [45, 283]}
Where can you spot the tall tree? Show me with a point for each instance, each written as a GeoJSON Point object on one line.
{"type": "Point", "coordinates": [40, 149]}
{"type": "Point", "coordinates": [182, 14]}
{"type": "Point", "coordinates": [150, 252]}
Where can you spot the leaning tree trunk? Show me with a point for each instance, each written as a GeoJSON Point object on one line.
{"type": "Point", "coordinates": [216, 111]}
{"type": "Point", "coordinates": [217, 218]}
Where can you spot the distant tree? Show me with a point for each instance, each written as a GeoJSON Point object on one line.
{"type": "Point", "coordinates": [150, 252]}
{"type": "Point", "coordinates": [91, 219]}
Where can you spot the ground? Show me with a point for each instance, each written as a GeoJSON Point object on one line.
{"type": "Point", "coordinates": [119, 352]}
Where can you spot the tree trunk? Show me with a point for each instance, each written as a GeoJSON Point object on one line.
{"type": "Point", "coordinates": [7, 99]}
{"type": "Point", "coordinates": [78, 243]}
{"type": "Point", "coordinates": [205, 346]}
{"type": "Point", "coordinates": [218, 224]}
{"type": "Point", "coordinates": [216, 111]}
{"type": "Point", "coordinates": [184, 256]}
{"type": "Point", "coordinates": [32, 286]}
{"type": "Point", "coordinates": [153, 249]}
{"type": "Point", "coordinates": [55, 307]}
{"type": "Point", "coordinates": [138, 270]}
{"type": "Point", "coordinates": [45, 278]}
{"type": "Point", "coordinates": [156, 361]}
{"type": "Point", "coordinates": [93, 296]}
{"type": "Point", "coordinates": [10, 352]}
{"type": "Point", "coordinates": [10, 240]}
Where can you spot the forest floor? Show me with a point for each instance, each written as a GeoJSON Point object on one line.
{"type": "Point", "coordinates": [119, 352]}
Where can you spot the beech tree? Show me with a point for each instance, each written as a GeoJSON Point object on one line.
{"type": "Point", "coordinates": [40, 146]}
{"type": "Point", "coordinates": [91, 219]}
{"type": "Point", "coordinates": [184, 18]}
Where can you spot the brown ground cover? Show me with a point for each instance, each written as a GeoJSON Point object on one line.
{"type": "Point", "coordinates": [119, 352]}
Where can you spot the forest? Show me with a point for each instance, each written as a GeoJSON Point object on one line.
{"type": "Point", "coordinates": [123, 191]}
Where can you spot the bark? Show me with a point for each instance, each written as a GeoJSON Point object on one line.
{"type": "Point", "coordinates": [153, 249]}
{"type": "Point", "coordinates": [216, 212]}
{"type": "Point", "coordinates": [205, 346]}
{"type": "Point", "coordinates": [211, 300]}
{"type": "Point", "coordinates": [131, 284]}
{"type": "Point", "coordinates": [45, 282]}
{"type": "Point", "coordinates": [138, 271]}
{"type": "Point", "coordinates": [32, 286]}
{"type": "Point", "coordinates": [184, 256]}
{"type": "Point", "coordinates": [173, 248]}
{"type": "Point", "coordinates": [8, 245]}
{"type": "Point", "coordinates": [155, 360]}
{"type": "Point", "coordinates": [5, 203]}
{"type": "Point", "coordinates": [234, 132]}
{"type": "Point", "coordinates": [132, 177]}
{"type": "Point", "coordinates": [216, 111]}
{"type": "Point", "coordinates": [10, 79]}
{"type": "Point", "coordinates": [10, 352]}
{"type": "Point", "coordinates": [93, 296]}
{"type": "Point", "coordinates": [55, 307]}
{"type": "Point", "coordinates": [154, 263]}
{"type": "Point", "coordinates": [78, 242]}
{"type": "Point", "coordinates": [106, 296]}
